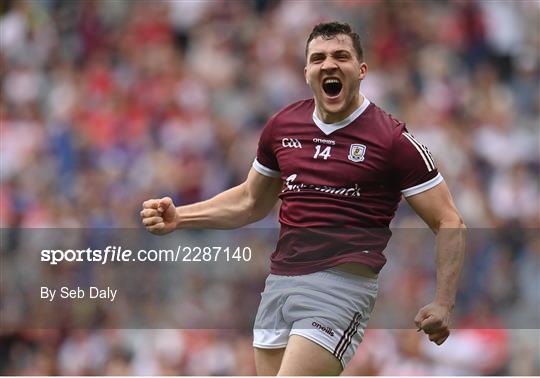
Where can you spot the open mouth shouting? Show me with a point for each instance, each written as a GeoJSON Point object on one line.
{"type": "Point", "coordinates": [332, 87]}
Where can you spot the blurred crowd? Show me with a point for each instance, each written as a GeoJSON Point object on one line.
{"type": "Point", "coordinates": [106, 103]}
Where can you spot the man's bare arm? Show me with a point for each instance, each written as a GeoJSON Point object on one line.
{"type": "Point", "coordinates": [244, 204]}
{"type": "Point", "coordinates": [436, 207]}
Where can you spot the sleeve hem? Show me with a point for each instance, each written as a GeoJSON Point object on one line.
{"type": "Point", "coordinates": [265, 171]}
{"type": "Point", "coordinates": [423, 187]}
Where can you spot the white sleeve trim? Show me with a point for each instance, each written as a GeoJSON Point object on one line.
{"type": "Point", "coordinates": [264, 170]}
{"type": "Point", "coordinates": [423, 187]}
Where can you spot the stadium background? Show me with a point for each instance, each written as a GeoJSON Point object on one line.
{"type": "Point", "coordinates": [107, 103]}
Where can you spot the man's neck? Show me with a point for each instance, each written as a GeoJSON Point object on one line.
{"type": "Point", "coordinates": [328, 117]}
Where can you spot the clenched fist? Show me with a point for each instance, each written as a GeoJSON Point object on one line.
{"type": "Point", "coordinates": [434, 320]}
{"type": "Point", "coordinates": [159, 215]}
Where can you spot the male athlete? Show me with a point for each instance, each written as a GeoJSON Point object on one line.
{"type": "Point", "coordinates": [340, 165]}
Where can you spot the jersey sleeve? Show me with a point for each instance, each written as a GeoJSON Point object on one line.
{"type": "Point", "coordinates": [266, 163]}
{"type": "Point", "coordinates": [414, 167]}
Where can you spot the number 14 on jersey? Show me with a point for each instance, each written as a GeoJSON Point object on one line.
{"type": "Point", "coordinates": [325, 153]}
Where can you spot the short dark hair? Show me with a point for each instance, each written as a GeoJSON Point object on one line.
{"type": "Point", "coordinates": [329, 30]}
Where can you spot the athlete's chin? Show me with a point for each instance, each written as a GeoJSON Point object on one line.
{"type": "Point", "coordinates": [333, 104]}
{"type": "Point", "coordinates": [333, 107]}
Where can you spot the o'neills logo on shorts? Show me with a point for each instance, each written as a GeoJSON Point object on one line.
{"type": "Point", "coordinates": [327, 330]}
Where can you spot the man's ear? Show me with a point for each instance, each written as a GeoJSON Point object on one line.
{"type": "Point", "coordinates": [305, 75]}
{"type": "Point", "coordinates": [363, 70]}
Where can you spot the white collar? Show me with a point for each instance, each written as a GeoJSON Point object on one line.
{"type": "Point", "coordinates": [329, 128]}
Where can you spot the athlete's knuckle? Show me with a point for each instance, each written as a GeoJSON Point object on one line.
{"type": "Point", "coordinates": [158, 226]}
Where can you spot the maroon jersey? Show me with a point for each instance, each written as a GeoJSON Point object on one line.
{"type": "Point", "coordinates": [342, 184]}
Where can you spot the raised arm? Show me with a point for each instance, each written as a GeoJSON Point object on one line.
{"type": "Point", "coordinates": [244, 204]}
{"type": "Point", "coordinates": [436, 207]}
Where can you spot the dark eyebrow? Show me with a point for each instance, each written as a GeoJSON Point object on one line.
{"type": "Point", "coordinates": [341, 52]}
{"type": "Point", "coordinates": [317, 55]}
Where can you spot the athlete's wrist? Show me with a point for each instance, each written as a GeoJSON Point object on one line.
{"type": "Point", "coordinates": [446, 303]}
{"type": "Point", "coordinates": [178, 218]}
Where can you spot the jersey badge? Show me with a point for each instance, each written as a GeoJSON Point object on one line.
{"type": "Point", "coordinates": [357, 152]}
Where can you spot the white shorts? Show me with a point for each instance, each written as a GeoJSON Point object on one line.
{"type": "Point", "coordinates": [330, 308]}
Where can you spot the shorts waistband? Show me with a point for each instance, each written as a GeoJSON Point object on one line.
{"type": "Point", "coordinates": [333, 274]}
{"type": "Point", "coordinates": [337, 274]}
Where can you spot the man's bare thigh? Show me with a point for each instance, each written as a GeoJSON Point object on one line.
{"type": "Point", "coordinates": [305, 357]}
{"type": "Point", "coordinates": [268, 361]}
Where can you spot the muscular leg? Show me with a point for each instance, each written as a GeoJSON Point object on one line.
{"type": "Point", "coordinates": [304, 357]}
{"type": "Point", "coordinates": [268, 361]}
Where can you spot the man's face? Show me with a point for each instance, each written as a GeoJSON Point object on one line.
{"type": "Point", "coordinates": [333, 72]}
